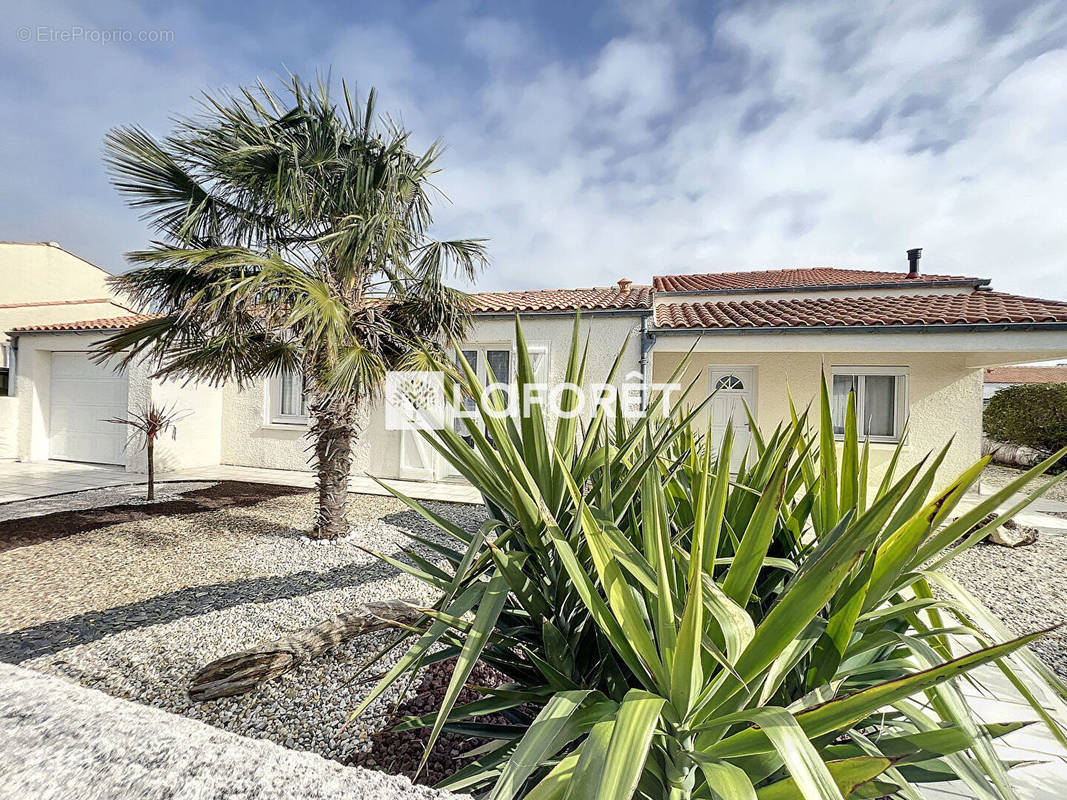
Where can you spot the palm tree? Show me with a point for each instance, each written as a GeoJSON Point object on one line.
{"type": "Point", "coordinates": [292, 237]}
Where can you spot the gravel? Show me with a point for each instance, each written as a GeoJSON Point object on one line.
{"type": "Point", "coordinates": [135, 609]}
{"type": "Point", "coordinates": [996, 476]}
{"type": "Point", "coordinates": [1024, 586]}
{"type": "Point", "coordinates": [96, 498]}
{"type": "Point", "coordinates": [63, 741]}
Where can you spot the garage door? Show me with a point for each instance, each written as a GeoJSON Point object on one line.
{"type": "Point", "coordinates": [83, 395]}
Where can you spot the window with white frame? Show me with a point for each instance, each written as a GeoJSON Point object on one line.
{"type": "Point", "coordinates": [482, 359]}
{"type": "Point", "coordinates": [7, 370]}
{"type": "Point", "coordinates": [502, 361]}
{"type": "Point", "coordinates": [288, 404]}
{"type": "Point", "coordinates": [881, 400]}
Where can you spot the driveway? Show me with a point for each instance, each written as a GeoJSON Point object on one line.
{"type": "Point", "coordinates": [26, 480]}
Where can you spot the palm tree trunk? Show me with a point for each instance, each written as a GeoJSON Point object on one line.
{"type": "Point", "coordinates": [151, 470]}
{"type": "Point", "coordinates": [333, 429]}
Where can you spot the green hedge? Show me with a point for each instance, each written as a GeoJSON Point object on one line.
{"type": "Point", "coordinates": [1033, 414]}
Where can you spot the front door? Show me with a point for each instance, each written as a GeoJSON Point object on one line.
{"type": "Point", "coordinates": [734, 388]}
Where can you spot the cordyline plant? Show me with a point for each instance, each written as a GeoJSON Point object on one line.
{"type": "Point", "coordinates": [148, 424]}
{"type": "Point", "coordinates": [673, 631]}
{"type": "Point", "coordinates": [294, 239]}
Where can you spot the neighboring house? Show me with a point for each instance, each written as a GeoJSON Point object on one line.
{"type": "Point", "coordinates": [997, 378]}
{"type": "Point", "coordinates": [912, 346]}
{"type": "Point", "coordinates": [43, 283]}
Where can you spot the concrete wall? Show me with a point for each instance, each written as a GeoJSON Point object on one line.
{"type": "Point", "coordinates": [195, 440]}
{"type": "Point", "coordinates": [944, 395]}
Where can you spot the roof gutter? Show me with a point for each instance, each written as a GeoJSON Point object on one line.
{"type": "Point", "coordinates": [984, 327]}
{"type": "Point", "coordinates": [14, 334]}
{"type": "Point", "coordinates": [910, 284]}
{"type": "Point", "coordinates": [585, 312]}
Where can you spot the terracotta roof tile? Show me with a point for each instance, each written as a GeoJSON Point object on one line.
{"type": "Point", "coordinates": [810, 278]}
{"type": "Point", "coordinates": [602, 298]}
{"type": "Point", "coordinates": [943, 309]}
{"type": "Point", "coordinates": [1056, 374]}
{"type": "Point", "coordinates": [107, 324]}
{"type": "Point", "coordinates": [38, 303]}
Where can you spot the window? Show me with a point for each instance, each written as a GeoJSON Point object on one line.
{"type": "Point", "coordinates": [730, 382]}
{"type": "Point", "coordinates": [482, 359]}
{"type": "Point", "coordinates": [288, 405]}
{"type": "Point", "coordinates": [881, 400]}
{"type": "Point", "coordinates": [7, 370]}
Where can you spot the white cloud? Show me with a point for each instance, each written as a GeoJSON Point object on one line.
{"type": "Point", "coordinates": [788, 134]}
{"type": "Point", "coordinates": [919, 132]}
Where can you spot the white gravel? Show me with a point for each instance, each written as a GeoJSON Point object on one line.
{"type": "Point", "coordinates": [135, 609]}
{"type": "Point", "coordinates": [1024, 586]}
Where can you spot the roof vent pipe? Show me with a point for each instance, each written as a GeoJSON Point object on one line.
{"type": "Point", "coordinates": [913, 261]}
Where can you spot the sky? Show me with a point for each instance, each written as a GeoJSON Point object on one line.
{"type": "Point", "coordinates": [592, 141]}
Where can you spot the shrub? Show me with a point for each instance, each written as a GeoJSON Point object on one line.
{"type": "Point", "coordinates": [1032, 414]}
{"type": "Point", "coordinates": [680, 632]}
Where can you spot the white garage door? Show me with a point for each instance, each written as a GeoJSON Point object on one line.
{"type": "Point", "coordinates": [83, 395]}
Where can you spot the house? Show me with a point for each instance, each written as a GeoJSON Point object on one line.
{"type": "Point", "coordinates": [43, 283]}
{"type": "Point", "coordinates": [997, 378]}
{"type": "Point", "coordinates": [912, 346]}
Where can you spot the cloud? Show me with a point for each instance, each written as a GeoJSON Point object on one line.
{"type": "Point", "coordinates": [671, 139]}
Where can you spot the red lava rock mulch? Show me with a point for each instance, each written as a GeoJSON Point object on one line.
{"type": "Point", "coordinates": [57, 525]}
{"type": "Point", "coordinates": [399, 752]}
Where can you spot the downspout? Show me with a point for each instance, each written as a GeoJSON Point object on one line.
{"type": "Point", "coordinates": [648, 339]}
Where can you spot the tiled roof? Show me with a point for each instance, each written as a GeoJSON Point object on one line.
{"type": "Point", "coordinates": [107, 324]}
{"type": "Point", "coordinates": [1056, 374]}
{"type": "Point", "coordinates": [974, 308]}
{"type": "Point", "coordinates": [601, 298]}
{"type": "Point", "coordinates": [38, 303]}
{"type": "Point", "coordinates": [811, 278]}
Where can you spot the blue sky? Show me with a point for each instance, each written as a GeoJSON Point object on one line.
{"type": "Point", "coordinates": [594, 141]}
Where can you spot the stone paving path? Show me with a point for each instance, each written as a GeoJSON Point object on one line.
{"type": "Point", "coordinates": [64, 741]}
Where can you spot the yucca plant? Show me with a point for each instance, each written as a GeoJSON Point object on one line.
{"type": "Point", "coordinates": [671, 630]}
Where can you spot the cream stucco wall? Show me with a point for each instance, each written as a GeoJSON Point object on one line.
{"type": "Point", "coordinates": [45, 273]}
{"type": "Point", "coordinates": [944, 395]}
{"type": "Point", "coordinates": [249, 440]}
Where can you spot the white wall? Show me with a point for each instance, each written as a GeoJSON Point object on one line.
{"type": "Point", "coordinates": [41, 273]}
{"type": "Point", "coordinates": [195, 440]}
{"type": "Point", "coordinates": [9, 420]}
{"type": "Point", "coordinates": [194, 443]}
